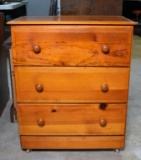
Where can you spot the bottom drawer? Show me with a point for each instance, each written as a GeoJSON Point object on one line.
{"type": "Point", "coordinates": [72, 142]}
{"type": "Point", "coordinates": [72, 119]}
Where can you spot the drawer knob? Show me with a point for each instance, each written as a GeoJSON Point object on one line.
{"type": "Point", "coordinates": [40, 122]}
{"type": "Point", "coordinates": [104, 88]}
{"type": "Point", "coordinates": [36, 49]}
{"type": "Point", "coordinates": [105, 49]}
{"type": "Point", "coordinates": [103, 123]}
{"type": "Point", "coordinates": [39, 88]}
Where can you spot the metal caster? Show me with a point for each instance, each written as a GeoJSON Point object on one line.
{"type": "Point", "coordinates": [28, 150]}
{"type": "Point", "coordinates": [117, 150]}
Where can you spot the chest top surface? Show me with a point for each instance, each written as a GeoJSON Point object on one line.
{"type": "Point", "coordinates": [95, 20]}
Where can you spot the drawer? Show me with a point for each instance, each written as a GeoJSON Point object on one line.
{"type": "Point", "coordinates": [72, 119]}
{"type": "Point", "coordinates": [72, 45]}
{"type": "Point", "coordinates": [71, 84]}
{"type": "Point", "coordinates": [72, 142]}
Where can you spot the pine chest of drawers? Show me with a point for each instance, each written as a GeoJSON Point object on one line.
{"type": "Point", "coordinates": [71, 78]}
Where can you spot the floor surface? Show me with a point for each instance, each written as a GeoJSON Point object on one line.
{"type": "Point", "coordinates": [10, 144]}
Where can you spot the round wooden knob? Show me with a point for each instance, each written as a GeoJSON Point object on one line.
{"type": "Point", "coordinates": [102, 106]}
{"type": "Point", "coordinates": [102, 122]}
{"type": "Point", "coordinates": [105, 49]}
{"type": "Point", "coordinates": [36, 49]}
{"type": "Point", "coordinates": [104, 88]}
{"type": "Point", "coordinates": [39, 87]}
{"type": "Point", "coordinates": [40, 122]}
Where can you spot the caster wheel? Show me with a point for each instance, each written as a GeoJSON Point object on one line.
{"type": "Point", "coordinates": [28, 151]}
{"type": "Point", "coordinates": [117, 150]}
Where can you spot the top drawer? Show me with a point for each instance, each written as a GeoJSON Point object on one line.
{"type": "Point", "coordinates": [71, 45]}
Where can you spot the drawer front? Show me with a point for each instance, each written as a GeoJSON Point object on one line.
{"type": "Point", "coordinates": [72, 45]}
{"type": "Point", "coordinates": [72, 142]}
{"type": "Point", "coordinates": [71, 84]}
{"type": "Point", "coordinates": [71, 119]}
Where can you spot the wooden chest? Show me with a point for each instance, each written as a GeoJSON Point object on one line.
{"type": "Point", "coordinates": [71, 79]}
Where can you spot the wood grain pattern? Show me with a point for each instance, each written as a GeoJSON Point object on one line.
{"type": "Point", "coordinates": [71, 119]}
{"type": "Point", "coordinates": [71, 84]}
{"type": "Point", "coordinates": [72, 142]}
{"type": "Point", "coordinates": [72, 45]}
{"type": "Point", "coordinates": [95, 20]}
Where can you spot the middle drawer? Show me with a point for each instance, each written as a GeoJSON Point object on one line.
{"type": "Point", "coordinates": [71, 84]}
